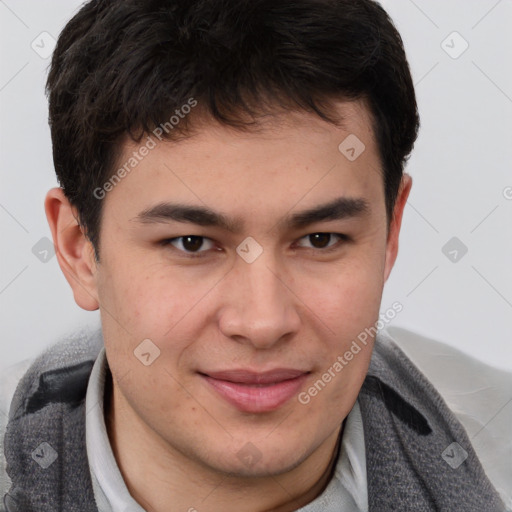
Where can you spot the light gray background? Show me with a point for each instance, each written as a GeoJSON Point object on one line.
{"type": "Point", "coordinates": [461, 167]}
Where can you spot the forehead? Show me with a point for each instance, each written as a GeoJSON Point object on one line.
{"type": "Point", "coordinates": [289, 157]}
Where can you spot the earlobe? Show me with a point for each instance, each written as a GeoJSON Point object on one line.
{"type": "Point", "coordinates": [73, 250]}
{"type": "Point", "coordinates": [396, 223]}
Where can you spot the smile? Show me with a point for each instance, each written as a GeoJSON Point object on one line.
{"type": "Point", "coordinates": [256, 392]}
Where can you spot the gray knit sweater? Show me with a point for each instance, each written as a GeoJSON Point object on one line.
{"type": "Point", "coordinates": [410, 436]}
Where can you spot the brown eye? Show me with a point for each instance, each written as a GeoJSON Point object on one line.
{"type": "Point", "coordinates": [320, 240]}
{"type": "Point", "coordinates": [192, 243]}
{"type": "Point", "coordinates": [324, 241]}
{"type": "Point", "coordinates": [189, 244]}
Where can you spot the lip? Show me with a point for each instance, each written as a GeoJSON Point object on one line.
{"type": "Point", "coordinates": [256, 392]}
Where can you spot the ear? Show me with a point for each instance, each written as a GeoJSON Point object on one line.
{"type": "Point", "coordinates": [396, 223]}
{"type": "Point", "coordinates": [74, 251]}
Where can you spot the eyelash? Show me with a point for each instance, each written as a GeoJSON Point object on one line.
{"type": "Point", "coordinates": [202, 254]}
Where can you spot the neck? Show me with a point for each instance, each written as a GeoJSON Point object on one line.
{"type": "Point", "coordinates": [156, 474]}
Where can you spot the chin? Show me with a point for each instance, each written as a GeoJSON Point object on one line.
{"type": "Point", "coordinates": [252, 462]}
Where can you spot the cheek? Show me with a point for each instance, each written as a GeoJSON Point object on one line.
{"type": "Point", "coordinates": [147, 301]}
{"type": "Point", "coordinates": [349, 299]}
{"type": "Point", "coordinates": [157, 306]}
{"type": "Point", "coordinates": [144, 307]}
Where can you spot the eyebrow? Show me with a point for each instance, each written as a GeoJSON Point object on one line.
{"type": "Point", "coordinates": [338, 209]}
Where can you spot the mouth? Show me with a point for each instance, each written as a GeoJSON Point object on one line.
{"type": "Point", "coordinates": [255, 392]}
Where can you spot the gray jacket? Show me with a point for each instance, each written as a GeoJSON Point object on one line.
{"type": "Point", "coordinates": [414, 443]}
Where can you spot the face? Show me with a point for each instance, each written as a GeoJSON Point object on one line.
{"type": "Point", "coordinates": [249, 292]}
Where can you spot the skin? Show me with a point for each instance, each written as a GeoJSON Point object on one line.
{"type": "Point", "coordinates": [176, 440]}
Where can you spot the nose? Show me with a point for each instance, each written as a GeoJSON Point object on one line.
{"type": "Point", "coordinates": [261, 308]}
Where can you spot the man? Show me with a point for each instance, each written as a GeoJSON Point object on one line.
{"type": "Point", "coordinates": [232, 191]}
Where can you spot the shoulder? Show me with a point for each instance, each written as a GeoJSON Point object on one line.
{"type": "Point", "coordinates": [9, 379]}
{"type": "Point", "coordinates": [44, 372]}
{"type": "Point", "coordinates": [479, 395]}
